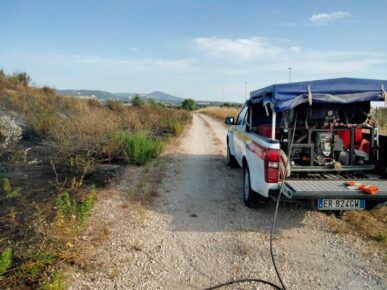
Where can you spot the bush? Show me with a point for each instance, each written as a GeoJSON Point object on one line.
{"type": "Point", "coordinates": [5, 261]}
{"type": "Point", "coordinates": [21, 78]}
{"type": "Point", "coordinates": [150, 101]}
{"type": "Point", "coordinates": [84, 207]}
{"type": "Point", "coordinates": [10, 133]}
{"type": "Point", "coordinates": [56, 283]}
{"type": "Point", "coordinates": [117, 106]}
{"type": "Point", "coordinates": [9, 192]}
{"type": "Point", "coordinates": [67, 207]}
{"type": "Point", "coordinates": [188, 104]}
{"type": "Point", "coordinates": [48, 91]}
{"type": "Point", "coordinates": [94, 103]}
{"type": "Point", "coordinates": [137, 101]}
{"type": "Point", "coordinates": [140, 148]}
{"type": "Point", "coordinates": [175, 127]}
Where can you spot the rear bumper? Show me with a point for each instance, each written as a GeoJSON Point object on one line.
{"type": "Point", "coordinates": [308, 189]}
{"type": "Point", "coordinates": [341, 195]}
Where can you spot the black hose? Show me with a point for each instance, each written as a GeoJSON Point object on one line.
{"type": "Point", "coordinates": [277, 206]}
{"type": "Point", "coordinates": [243, 281]}
{"type": "Point", "coordinates": [271, 234]}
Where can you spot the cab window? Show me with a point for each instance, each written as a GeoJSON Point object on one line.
{"type": "Point", "coordinates": [241, 116]}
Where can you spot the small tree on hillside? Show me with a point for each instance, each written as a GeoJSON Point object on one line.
{"type": "Point", "coordinates": [137, 101]}
{"type": "Point", "coordinates": [188, 104]}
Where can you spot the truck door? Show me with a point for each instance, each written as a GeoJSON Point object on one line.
{"type": "Point", "coordinates": [240, 130]}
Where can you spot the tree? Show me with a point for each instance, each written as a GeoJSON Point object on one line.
{"type": "Point", "coordinates": [137, 101]}
{"type": "Point", "coordinates": [188, 104]}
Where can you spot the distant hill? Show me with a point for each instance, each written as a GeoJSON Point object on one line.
{"type": "Point", "coordinates": [157, 95]}
{"type": "Point", "coordinates": [103, 95]}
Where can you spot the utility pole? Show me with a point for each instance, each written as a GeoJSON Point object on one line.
{"type": "Point", "coordinates": [290, 74]}
{"type": "Point", "coordinates": [245, 91]}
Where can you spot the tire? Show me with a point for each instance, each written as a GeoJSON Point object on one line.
{"type": "Point", "coordinates": [231, 161]}
{"type": "Point", "coordinates": [251, 198]}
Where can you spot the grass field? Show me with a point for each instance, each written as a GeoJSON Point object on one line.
{"type": "Point", "coordinates": [221, 113]}
{"type": "Point", "coordinates": [55, 154]}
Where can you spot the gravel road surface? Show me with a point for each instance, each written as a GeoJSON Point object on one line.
{"type": "Point", "coordinates": [198, 233]}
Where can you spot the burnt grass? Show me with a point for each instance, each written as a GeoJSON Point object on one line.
{"type": "Point", "coordinates": [39, 190]}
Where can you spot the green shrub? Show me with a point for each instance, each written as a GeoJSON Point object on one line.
{"type": "Point", "coordinates": [64, 206]}
{"type": "Point", "coordinates": [56, 283]}
{"type": "Point", "coordinates": [140, 148]}
{"type": "Point", "coordinates": [115, 144]}
{"type": "Point", "coordinates": [188, 104]}
{"type": "Point", "coordinates": [175, 127]}
{"type": "Point", "coordinates": [9, 192]}
{"type": "Point", "coordinates": [68, 207]}
{"type": "Point", "coordinates": [5, 261]}
{"type": "Point", "coordinates": [7, 186]}
{"type": "Point", "coordinates": [137, 101]}
{"type": "Point", "coordinates": [38, 260]}
{"type": "Point", "coordinates": [84, 207]}
{"type": "Point", "coordinates": [381, 236]}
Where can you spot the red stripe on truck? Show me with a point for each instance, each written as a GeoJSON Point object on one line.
{"type": "Point", "coordinates": [257, 149]}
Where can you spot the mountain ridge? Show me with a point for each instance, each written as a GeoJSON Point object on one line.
{"type": "Point", "coordinates": [105, 95]}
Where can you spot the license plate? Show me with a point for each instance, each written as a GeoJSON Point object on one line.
{"type": "Point", "coordinates": [341, 204]}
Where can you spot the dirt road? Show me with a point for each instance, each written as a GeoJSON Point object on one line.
{"type": "Point", "coordinates": [198, 233]}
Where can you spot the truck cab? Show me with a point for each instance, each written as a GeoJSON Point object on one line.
{"type": "Point", "coordinates": [318, 138]}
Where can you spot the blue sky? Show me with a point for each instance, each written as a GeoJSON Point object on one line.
{"type": "Point", "coordinates": [191, 48]}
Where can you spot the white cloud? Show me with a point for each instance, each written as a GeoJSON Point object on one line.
{"type": "Point", "coordinates": [295, 48]}
{"type": "Point", "coordinates": [133, 49]}
{"type": "Point", "coordinates": [241, 48]}
{"type": "Point", "coordinates": [96, 59]}
{"type": "Point", "coordinates": [324, 18]}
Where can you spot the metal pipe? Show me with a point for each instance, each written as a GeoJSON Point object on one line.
{"type": "Point", "coordinates": [273, 123]}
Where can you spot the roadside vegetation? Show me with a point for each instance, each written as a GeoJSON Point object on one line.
{"type": "Point", "coordinates": [56, 153]}
{"type": "Point", "coordinates": [221, 113]}
{"type": "Point", "coordinates": [381, 116]}
{"type": "Point", "coordinates": [189, 104]}
{"type": "Point", "coordinates": [371, 225]}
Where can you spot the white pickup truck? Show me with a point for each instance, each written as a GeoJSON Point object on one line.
{"type": "Point", "coordinates": [313, 136]}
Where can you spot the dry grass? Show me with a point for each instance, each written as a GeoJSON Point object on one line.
{"type": "Point", "coordinates": [221, 112]}
{"type": "Point", "coordinates": [370, 224]}
{"type": "Point", "coordinates": [78, 136]}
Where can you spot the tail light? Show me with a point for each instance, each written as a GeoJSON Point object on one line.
{"type": "Point", "coordinates": [271, 165]}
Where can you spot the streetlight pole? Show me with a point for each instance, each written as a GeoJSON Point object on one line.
{"type": "Point", "coordinates": [290, 74]}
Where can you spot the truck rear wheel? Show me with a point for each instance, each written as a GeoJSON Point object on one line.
{"type": "Point", "coordinates": [231, 161]}
{"type": "Point", "coordinates": [250, 197]}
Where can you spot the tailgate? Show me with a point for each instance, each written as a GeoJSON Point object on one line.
{"type": "Point", "coordinates": [307, 189]}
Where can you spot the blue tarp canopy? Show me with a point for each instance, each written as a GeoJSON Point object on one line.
{"type": "Point", "coordinates": [283, 97]}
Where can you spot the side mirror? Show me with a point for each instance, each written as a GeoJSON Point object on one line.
{"type": "Point", "coordinates": [229, 121]}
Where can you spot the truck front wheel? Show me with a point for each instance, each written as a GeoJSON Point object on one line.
{"type": "Point", "coordinates": [231, 161]}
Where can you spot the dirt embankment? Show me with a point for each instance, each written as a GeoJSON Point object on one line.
{"type": "Point", "coordinates": [198, 233]}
